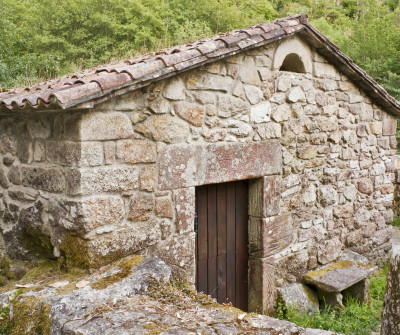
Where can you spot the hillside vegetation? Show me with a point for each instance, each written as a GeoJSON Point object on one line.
{"type": "Point", "coordinates": [41, 39]}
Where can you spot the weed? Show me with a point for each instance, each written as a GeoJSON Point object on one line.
{"type": "Point", "coordinates": [5, 313]}
{"type": "Point", "coordinates": [355, 319]}
{"type": "Point", "coordinates": [396, 221]}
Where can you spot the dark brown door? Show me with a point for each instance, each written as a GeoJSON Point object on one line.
{"type": "Point", "coordinates": [221, 242]}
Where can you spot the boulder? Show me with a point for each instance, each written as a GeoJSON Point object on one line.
{"type": "Point", "coordinates": [299, 296]}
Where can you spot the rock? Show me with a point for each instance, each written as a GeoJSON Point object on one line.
{"type": "Point", "coordinates": [86, 215]}
{"type": "Point", "coordinates": [207, 81]}
{"type": "Point", "coordinates": [296, 94]}
{"type": "Point", "coordinates": [164, 128]}
{"type": "Point", "coordinates": [229, 106]}
{"type": "Point", "coordinates": [329, 251]}
{"type": "Point", "coordinates": [261, 112]}
{"type": "Point", "coordinates": [141, 207]}
{"type": "Point", "coordinates": [102, 179]}
{"type": "Point", "coordinates": [350, 192]}
{"type": "Point", "coordinates": [327, 195]}
{"type": "Point", "coordinates": [310, 196]}
{"type": "Point", "coordinates": [164, 207]}
{"type": "Point", "coordinates": [389, 126]}
{"type": "Point", "coordinates": [192, 113]}
{"type": "Point", "coordinates": [3, 178]}
{"type": "Point", "coordinates": [175, 90]}
{"type": "Point", "coordinates": [359, 291]}
{"type": "Point", "coordinates": [160, 105]}
{"type": "Point", "coordinates": [333, 300]}
{"type": "Point", "coordinates": [239, 128]}
{"type": "Point", "coordinates": [248, 73]}
{"type": "Point", "coordinates": [253, 94]}
{"type": "Point", "coordinates": [308, 152]}
{"type": "Point", "coordinates": [46, 179]}
{"type": "Point", "coordinates": [299, 296]}
{"type": "Point", "coordinates": [352, 256]}
{"type": "Point", "coordinates": [365, 186]}
{"type": "Point", "coordinates": [136, 151]}
{"type": "Point", "coordinates": [339, 276]}
{"type": "Point", "coordinates": [269, 130]}
{"type": "Point", "coordinates": [284, 83]}
{"type": "Point", "coordinates": [104, 126]}
{"type": "Point", "coordinates": [281, 113]}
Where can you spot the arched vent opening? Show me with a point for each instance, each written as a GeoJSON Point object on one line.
{"type": "Point", "coordinates": [293, 63]}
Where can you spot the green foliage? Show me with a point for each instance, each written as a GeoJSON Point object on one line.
{"type": "Point", "coordinates": [355, 319]}
{"type": "Point", "coordinates": [396, 221]}
{"type": "Point", "coordinates": [5, 313]}
{"type": "Point", "coordinates": [41, 39]}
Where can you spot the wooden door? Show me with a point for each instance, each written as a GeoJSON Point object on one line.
{"type": "Point", "coordinates": [221, 242]}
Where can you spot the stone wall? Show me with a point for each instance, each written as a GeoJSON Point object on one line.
{"type": "Point", "coordinates": [38, 155]}
{"type": "Point", "coordinates": [121, 178]}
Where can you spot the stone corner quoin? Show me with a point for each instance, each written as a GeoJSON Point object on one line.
{"type": "Point", "coordinates": [120, 178]}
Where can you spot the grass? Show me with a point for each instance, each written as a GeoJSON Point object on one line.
{"type": "Point", "coordinates": [355, 319]}
{"type": "Point", "coordinates": [396, 221]}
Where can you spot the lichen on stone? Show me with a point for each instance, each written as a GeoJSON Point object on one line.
{"type": "Point", "coordinates": [125, 266]}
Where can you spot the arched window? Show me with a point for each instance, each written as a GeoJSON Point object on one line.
{"type": "Point", "coordinates": [293, 63]}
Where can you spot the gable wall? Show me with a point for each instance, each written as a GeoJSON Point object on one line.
{"type": "Point", "coordinates": [130, 188]}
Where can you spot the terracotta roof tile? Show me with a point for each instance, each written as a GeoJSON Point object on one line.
{"type": "Point", "coordinates": [110, 80]}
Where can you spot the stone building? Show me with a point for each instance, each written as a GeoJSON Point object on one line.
{"type": "Point", "coordinates": [113, 161]}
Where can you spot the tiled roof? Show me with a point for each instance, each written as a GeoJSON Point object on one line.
{"type": "Point", "coordinates": [96, 85]}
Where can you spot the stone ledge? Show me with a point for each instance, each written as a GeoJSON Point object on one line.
{"type": "Point", "coordinates": [184, 165]}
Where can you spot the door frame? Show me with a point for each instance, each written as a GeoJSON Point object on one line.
{"type": "Point", "coordinates": [182, 167]}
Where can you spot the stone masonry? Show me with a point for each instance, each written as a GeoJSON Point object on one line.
{"type": "Point", "coordinates": [91, 185]}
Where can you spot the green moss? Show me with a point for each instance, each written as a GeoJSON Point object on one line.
{"type": "Point", "coordinates": [78, 254]}
{"type": "Point", "coordinates": [76, 251]}
{"type": "Point", "coordinates": [155, 327]}
{"type": "Point", "coordinates": [30, 316]}
{"type": "Point", "coordinates": [345, 264]}
{"type": "Point", "coordinates": [341, 265]}
{"type": "Point", "coordinates": [313, 298]}
{"type": "Point", "coordinates": [37, 243]}
{"type": "Point", "coordinates": [125, 265]}
{"type": "Point", "coordinates": [317, 273]}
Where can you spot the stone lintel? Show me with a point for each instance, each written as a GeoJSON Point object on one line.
{"type": "Point", "coordinates": [185, 165]}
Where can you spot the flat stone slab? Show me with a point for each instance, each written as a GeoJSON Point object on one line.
{"type": "Point", "coordinates": [300, 296]}
{"type": "Point", "coordinates": [338, 276]}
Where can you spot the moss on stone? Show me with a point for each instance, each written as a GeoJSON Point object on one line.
{"type": "Point", "coordinates": [125, 265]}
{"type": "Point", "coordinates": [37, 243]}
{"type": "Point", "coordinates": [30, 316]}
{"type": "Point", "coordinates": [317, 273]}
{"type": "Point", "coordinates": [345, 264]}
{"type": "Point", "coordinates": [78, 254]}
{"type": "Point", "coordinates": [155, 327]}
{"type": "Point", "coordinates": [76, 251]}
{"type": "Point", "coordinates": [312, 297]}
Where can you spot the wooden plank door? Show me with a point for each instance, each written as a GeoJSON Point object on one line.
{"type": "Point", "coordinates": [221, 242]}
